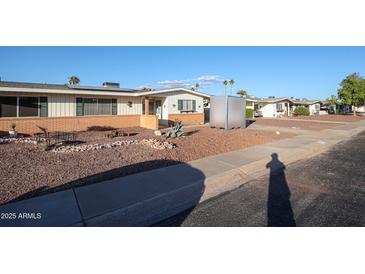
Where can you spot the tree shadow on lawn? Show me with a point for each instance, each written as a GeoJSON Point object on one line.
{"type": "Point", "coordinates": [186, 190]}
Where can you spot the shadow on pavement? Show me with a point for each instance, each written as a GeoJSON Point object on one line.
{"type": "Point", "coordinates": [160, 191]}
{"type": "Point", "coordinates": [279, 209]}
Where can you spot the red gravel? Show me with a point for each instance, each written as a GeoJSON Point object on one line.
{"type": "Point", "coordinates": [334, 118]}
{"type": "Point", "coordinates": [27, 171]}
{"type": "Point", "coordinates": [295, 123]}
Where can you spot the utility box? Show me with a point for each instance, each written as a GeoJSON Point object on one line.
{"type": "Point", "coordinates": [227, 112]}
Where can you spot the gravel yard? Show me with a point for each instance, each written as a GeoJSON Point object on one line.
{"type": "Point", "coordinates": [28, 171]}
{"type": "Point", "coordinates": [334, 118]}
{"type": "Point", "coordinates": [277, 122]}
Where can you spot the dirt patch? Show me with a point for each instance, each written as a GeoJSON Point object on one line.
{"type": "Point", "coordinates": [295, 123]}
{"type": "Point", "coordinates": [26, 171]}
{"type": "Point", "coordinates": [334, 118]}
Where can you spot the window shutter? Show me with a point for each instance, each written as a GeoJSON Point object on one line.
{"type": "Point", "coordinates": [79, 107]}
{"type": "Point", "coordinates": [194, 105]}
{"type": "Point", "coordinates": [43, 105]}
{"type": "Point", "coordinates": [179, 104]}
{"type": "Point", "coordinates": [114, 107]}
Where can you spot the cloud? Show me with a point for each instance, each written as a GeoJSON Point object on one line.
{"type": "Point", "coordinates": [207, 80]}
{"type": "Point", "coordinates": [175, 83]}
{"type": "Point", "coordinates": [204, 81]}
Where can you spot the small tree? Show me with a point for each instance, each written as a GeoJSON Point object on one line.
{"type": "Point", "coordinates": [242, 93]}
{"type": "Point", "coordinates": [197, 86]}
{"type": "Point", "coordinates": [352, 91]}
{"type": "Point", "coordinates": [73, 80]}
{"type": "Point", "coordinates": [249, 113]}
{"type": "Point", "coordinates": [225, 83]}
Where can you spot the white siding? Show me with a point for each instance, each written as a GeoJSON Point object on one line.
{"type": "Point", "coordinates": [123, 107]}
{"type": "Point", "coordinates": [60, 105]}
{"type": "Point", "coordinates": [313, 110]}
{"type": "Point", "coordinates": [268, 110]}
{"type": "Point", "coordinates": [165, 107]}
{"type": "Point", "coordinates": [181, 95]}
{"type": "Point", "coordinates": [361, 109]}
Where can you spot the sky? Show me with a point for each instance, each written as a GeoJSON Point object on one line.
{"type": "Point", "coordinates": [301, 72]}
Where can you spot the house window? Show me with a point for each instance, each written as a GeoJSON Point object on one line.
{"type": "Point", "coordinates": [8, 106]}
{"type": "Point", "coordinates": [105, 106]}
{"type": "Point", "coordinates": [279, 107]}
{"type": "Point", "coordinates": [96, 106]}
{"type": "Point", "coordinates": [28, 106]}
{"type": "Point", "coordinates": [186, 105]}
{"type": "Point", "coordinates": [23, 106]}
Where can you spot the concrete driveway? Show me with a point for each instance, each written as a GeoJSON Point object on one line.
{"type": "Point", "coordinates": [327, 190]}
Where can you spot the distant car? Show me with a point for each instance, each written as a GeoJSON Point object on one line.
{"type": "Point", "coordinates": [258, 113]}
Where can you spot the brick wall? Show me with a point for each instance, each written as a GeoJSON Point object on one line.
{"type": "Point", "coordinates": [149, 121]}
{"type": "Point", "coordinates": [29, 125]}
{"type": "Point", "coordinates": [188, 119]}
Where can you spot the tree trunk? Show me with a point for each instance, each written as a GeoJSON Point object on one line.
{"type": "Point", "coordinates": [354, 110]}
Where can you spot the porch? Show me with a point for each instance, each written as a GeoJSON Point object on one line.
{"type": "Point", "coordinates": [156, 105]}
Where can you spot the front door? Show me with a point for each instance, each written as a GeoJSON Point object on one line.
{"type": "Point", "coordinates": [158, 106]}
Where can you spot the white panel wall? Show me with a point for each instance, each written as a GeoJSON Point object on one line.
{"type": "Point", "coordinates": [123, 107]}
{"type": "Point", "coordinates": [180, 95]}
{"type": "Point", "coordinates": [165, 107]}
{"type": "Point", "coordinates": [268, 110]}
{"type": "Point", "coordinates": [60, 105]}
{"type": "Point", "coordinates": [312, 108]}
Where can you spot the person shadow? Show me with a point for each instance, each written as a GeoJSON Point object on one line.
{"type": "Point", "coordinates": [279, 209]}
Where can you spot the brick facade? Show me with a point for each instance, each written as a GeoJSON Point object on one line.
{"type": "Point", "coordinates": [149, 121]}
{"type": "Point", "coordinates": [29, 125]}
{"type": "Point", "coordinates": [188, 119]}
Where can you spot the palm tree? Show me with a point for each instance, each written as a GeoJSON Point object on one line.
{"type": "Point", "coordinates": [333, 100]}
{"type": "Point", "coordinates": [197, 86]}
{"type": "Point", "coordinates": [242, 93]}
{"type": "Point", "coordinates": [225, 83]}
{"type": "Point", "coordinates": [73, 80]}
{"type": "Point", "coordinates": [193, 89]}
{"type": "Point", "coordinates": [146, 89]}
{"type": "Point", "coordinates": [231, 82]}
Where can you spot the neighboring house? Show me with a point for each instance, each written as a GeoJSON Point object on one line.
{"type": "Point", "coordinates": [250, 102]}
{"type": "Point", "coordinates": [73, 107]}
{"type": "Point", "coordinates": [342, 108]}
{"type": "Point", "coordinates": [284, 106]}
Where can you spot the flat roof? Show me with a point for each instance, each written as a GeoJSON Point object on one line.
{"type": "Point", "coordinates": [87, 90]}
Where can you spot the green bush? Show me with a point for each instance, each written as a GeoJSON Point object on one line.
{"type": "Point", "coordinates": [249, 113]}
{"type": "Point", "coordinates": [301, 111]}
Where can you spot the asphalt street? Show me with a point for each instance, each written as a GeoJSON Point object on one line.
{"type": "Point", "coordinates": [327, 190]}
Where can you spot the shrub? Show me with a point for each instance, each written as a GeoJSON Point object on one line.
{"type": "Point", "coordinates": [301, 111]}
{"type": "Point", "coordinates": [13, 126]}
{"type": "Point", "coordinates": [249, 113]}
{"type": "Point", "coordinates": [176, 131]}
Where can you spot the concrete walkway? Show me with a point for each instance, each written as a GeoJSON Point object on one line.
{"type": "Point", "coordinates": [148, 197]}
{"type": "Point", "coordinates": [306, 120]}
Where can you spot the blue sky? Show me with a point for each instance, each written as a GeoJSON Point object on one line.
{"type": "Point", "coordinates": [311, 72]}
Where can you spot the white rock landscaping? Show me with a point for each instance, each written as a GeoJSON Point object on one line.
{"type": "Point", "coordinates": [153, 143]}
{"type": "Point", "coordinates": [29, 140]}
